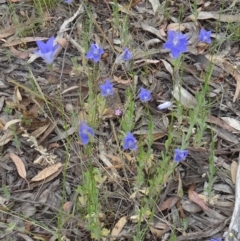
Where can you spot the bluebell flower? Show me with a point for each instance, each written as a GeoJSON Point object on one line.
{"type": "Point", "coordinates": [217, 239]}
{"type": "Point", "coordinates": [68, 1]}
{"type": "Point", "coordinates": [94, 52]}
{"type": "Point", "coordinates": [85, 131]}
{"type": "Point", "coordinates": [176, 42]}
{"type": "Point", "coordinates": [205, 36]}
{"type": "Point", "coordinates": [129, 142]}
{"type": "Point", "coordinates": [46, 50]}
{"type": "Point", "coordinates": [180, 155]}
{"type": "Point", "coordinates": [144, 95]}
{"type": "Point", "coordinates": [127, 55]}
{"type": "Point", "coordinates": [106, 88]}
{"type": "Point", "coordinates": [165, 105]}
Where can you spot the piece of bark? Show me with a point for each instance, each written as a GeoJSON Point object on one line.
{"type": "Point", "coordinates": [233, 233]}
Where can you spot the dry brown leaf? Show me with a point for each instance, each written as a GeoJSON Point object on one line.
{"type": "Point", "coordinates": [46, 172]}
{"type": "Point", "coordinates": [41, 129]}
{"type": "Point", "coordinates": [234, 168]}
{"type": "Point", "coordinates": [8, 31]}
{"type": "Point", "coordinates": [19, 54]}
{"type": "Point", "coordinates": [48, 179]}
{"type": "Point", "coordinates": [230, 18]}
{"type": "Point", "coordinates": [193, 196]}
{"type": "Point", "coordinates": [121, 81]}
{"type": "Point", "coordinates": [19, 164]}
{"type": "Point", "coordinates": [170, 202]}
{"type": "Point", "coordinates": [4, 139]}
{"type": "Point", "coordinates": [176, 27]}
{"type": "Point", "coordinates": [67, 206]}
{"type": "Point", "coordinates": [118, 227]}
{"type": "Point", "coordinates": [215, 120]}
{"type": "Point", "coordinates": [115, 159]}
{"type": "Point", "coordinates": [25, 40]}
{"type": "Point", "coordinates": [156, 232]}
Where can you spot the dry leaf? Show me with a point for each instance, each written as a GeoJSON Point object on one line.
{"type": "Point", "coordinates": [158, 229]}
{"type": "Point", "coordinates": [176, 27]}
{"type": "Point", "coordinates": [167, 66]}
{"type": "Point", "coordinates": [184, 97]}
{"type": "Point", "coordinates": [190, 207]}
{"type": "Point", "coordinates": [118, 227]}
{"type": "Point", "coordinates": [48, 179]}
{"type": "Point", "coordinates": [67, 206]}
{"type": "Point", "coordinates": [46, 172]}
{"type": "Point", "coordinates": [121, 81]}
{"type": "Point", "coordinates": [19, 54]}
{"type": "Point", "coordinates": [8, 31]}
{"type": "Point", "coordinates": [193, 196]}
{"type": "Point", "coordinates": [4, 139]}
{"type": "Point", "coordinates": [11, 122]}
{"type": "Point", "coordinates": [152, 30]}
{"type": "Point", "coordinates": [232, 122]}
{"type": "Point", "coordinates": [217, 121]}
{"type": "Point", "coordinates": [229, 68]}
{"type": "Point", "coordinates": [19, 164]}
{"type": "Point", "coordinates": [169, 203]}
{"type": "Point", "coordinates": [230, 18]}
{"type": "Point", "coordinates": [25, 40]}
{"type": "Point", "coordinates": [234, 168]}
{"type": "Point", "coordinates": [155, 5]}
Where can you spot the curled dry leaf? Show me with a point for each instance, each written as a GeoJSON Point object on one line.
{"type": "Point", "coordinates": [46, 172]}
{"type": "Point", "coordinates": [234, 168]}
{"type": "Point", "coordinates": [118, 227]}
{"type": "Point", "coordinates": [19, 164]}
{"type": "Point", "coordinates": [11, 122]}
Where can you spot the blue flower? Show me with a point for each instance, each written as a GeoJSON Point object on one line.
{"type": "Point", "coordinates": [85, 132]}
{"type": "Point", "coordinates": [68, 1]}
{"type": "Point", "coordinates": [177, 43]}
{"type": "Point", "coordinates": [46, 50]}
{"type": "Point", "coordinates": [144, 95]}
{"type": "Point", "coordinates": [205, 36]}
{"type": "Point", "coordinates": [94, 53]}
{"type": "Point", "coordinates": [180, 155]}
{"type": "Point", "coordinates": [165, 105]}
{"type": "Point", "coordinates": [218, 239]}
{"type": "Point", "coordinates": [127, 55]}
{"type": "Point", "coordinates": [106, 88]}
{"type": "Point", "coordinates": [129, 142]}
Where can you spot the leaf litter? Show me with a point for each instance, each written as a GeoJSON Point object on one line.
{"type": "Point", "coordinates": [35, 120]}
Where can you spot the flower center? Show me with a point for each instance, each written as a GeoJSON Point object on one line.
{"type": "Point", "coordinates": [205, 38]}
{"type": "Point", "coordinates": [108, 90]}
{"type": "Point", "coordinates": [95, 51]}
{"type": "Point", "coordinates": [175, 41]}
{"type": "Point", "coordinates": [130, 143]}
